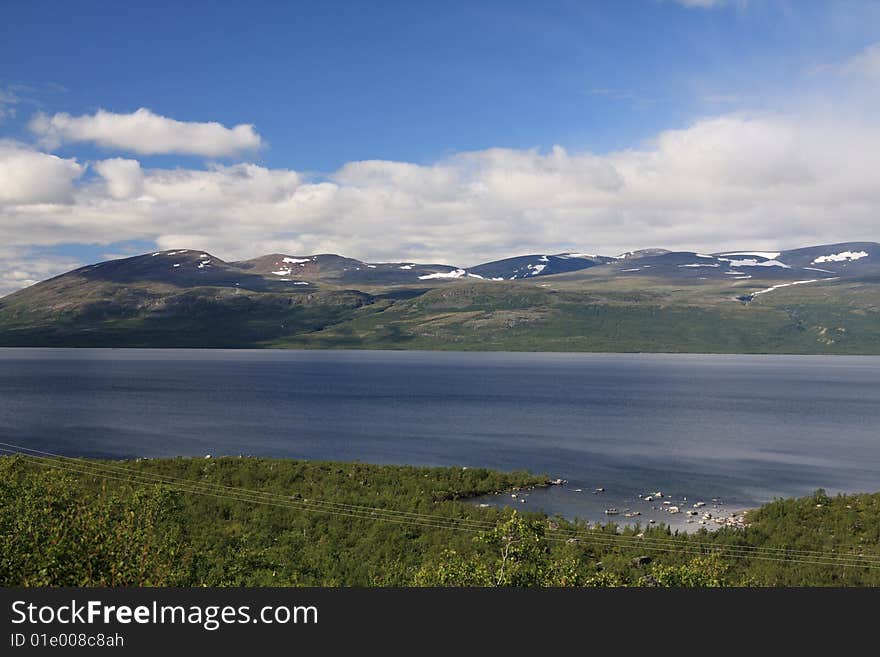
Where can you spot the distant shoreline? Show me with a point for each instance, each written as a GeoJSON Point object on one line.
{"type": "Point", "coordinates": [256, 349]}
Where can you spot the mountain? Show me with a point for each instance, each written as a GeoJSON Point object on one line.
{"type": "Point", "coordinates": [338, 270]}
{"type": "Point", "coordinates": [529, 266]}
{"type": "Point", "coordinates": [820, 299]}
{"type": "Point", "coordinates": [846, 259]}
{"type": "Point", "coordinates": [182, 267]}
{"type": "Point", "coordinates": [812, 263]}
{"type": "Point", "coordinates": [735, 266]}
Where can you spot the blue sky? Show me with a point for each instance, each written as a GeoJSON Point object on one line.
{"type": "Point", "coordinates": [413, 86]}
{"type": "Point", "coordinates": [330, 82]}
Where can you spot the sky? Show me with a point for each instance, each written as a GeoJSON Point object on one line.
{"type": "Point", "coordinates": [453, 132]}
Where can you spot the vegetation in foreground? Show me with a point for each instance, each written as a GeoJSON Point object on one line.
{"type": "Point", "coordinates": [70, 527]}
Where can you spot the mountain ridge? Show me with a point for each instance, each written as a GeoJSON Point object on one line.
{"type": "Point", "coordinates": [824, 261]}
{"type": "Point", "coordinates": [815, 299]}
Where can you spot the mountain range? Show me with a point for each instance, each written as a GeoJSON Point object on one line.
{"type": "Point", "coordinates": [818, 299]}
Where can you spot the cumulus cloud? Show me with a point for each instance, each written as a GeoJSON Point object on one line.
{"type": "Point", "coordinates": [733, 181]}
{"type": "Point", "coordinates": [773, 180]}
{"type": "Point", "coordinates": [28, 176]}
{"type": "Point", "coordinates": [145, 133]}
{"type": "Point", "coordinates": [124, 178]}
{"type": "Point", "coordinates": [22, 268]}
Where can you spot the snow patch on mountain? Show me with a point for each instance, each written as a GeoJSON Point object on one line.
{"type": "Point", "coordinates": [769, 255]}
{"type": "Point", "coordinates": [845, 256]}
{"type": "Point", "coordinates": [751, 262]}
{"type": "Point", "coordinates": [455, 273]}
{"type": "Point", "coordinates": [776, 287]}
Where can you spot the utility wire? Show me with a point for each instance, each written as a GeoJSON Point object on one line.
{"type": "Point", "coordinates": [437, 521]}
{"type": "Point", "coordinates": [372, 511]}
{"type": "Point", "coordinates": [596, 537]}
{"type": "Point", "coordinates": [424, 520]}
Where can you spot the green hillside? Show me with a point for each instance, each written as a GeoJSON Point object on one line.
{"type": "Point", "coordinates": [617, 316]}
{"type": "Point", "coordinates": [590, 310]}
{"type": "Point", "coordinates": [100, 523]}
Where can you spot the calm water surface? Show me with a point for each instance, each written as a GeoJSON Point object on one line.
{"type": "Point", "coordinates": [743, 429]}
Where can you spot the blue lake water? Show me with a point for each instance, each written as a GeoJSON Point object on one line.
{"type": "Point", "coordinates": [744, 429]}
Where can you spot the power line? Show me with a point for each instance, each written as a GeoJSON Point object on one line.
{"type": "Point", "coordinates": [434, 522]}
{"type": "Point", "coordinates": [171, 479]}
{"type": "Point", "coordinates": [373, 511]}
{"type": "Point", "coordinates": [425, 520]}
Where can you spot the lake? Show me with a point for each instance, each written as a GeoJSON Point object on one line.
{"type": "Point", "coordinates": [741, 429]}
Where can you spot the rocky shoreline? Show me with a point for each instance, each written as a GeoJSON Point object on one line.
{"type": "Point", "coordinates": [656, 508]}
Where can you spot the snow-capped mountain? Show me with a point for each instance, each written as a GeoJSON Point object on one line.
{"type": "Point", "coordinates": [192, 268]}
{"type": "Point", "coordinates": [350, 271]}
{"type": "Point", "coordinates": [818, 262]}
{"type": "Point", "coordinates": [529, 266]}
{"type": "Point", "coordinates": [181, 267]}
{"type": "Point", "coordinates": [336, 269]}
{"type": "Point", "coordinates": [845, 259]}
{"type": "Point", "coordinates": [186, 297]}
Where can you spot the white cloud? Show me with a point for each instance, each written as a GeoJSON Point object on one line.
{"type": "Point", "coordinates": [737, 181]}
{"type": "Point", "coordinates": [238, 184]}
{"type": "Point", "coordinates": [145, 133]}
{"type": "Point", "coordinates": [124, 178]}
{"type": "Point", "coordinates": [21, 268]}
{"type": "Point", "coordinates": [734, 181]}
{"type": "Point", "coordinates": [866, 63]}
{"type": "Point", "coordinates": [28, 176]}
